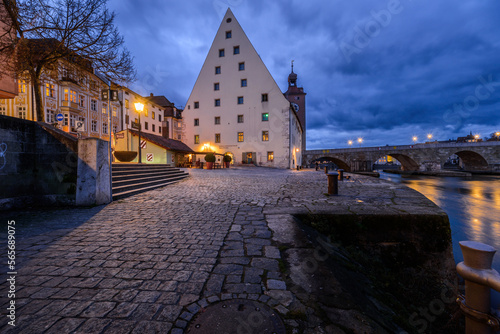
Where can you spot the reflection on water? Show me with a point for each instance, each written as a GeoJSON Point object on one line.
{"type": "Point", "coordinates": [472, 204]}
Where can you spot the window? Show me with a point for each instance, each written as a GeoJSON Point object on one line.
{"type": "Point", "coordinates": [65, 119]}
{"type": "Point", "coordinates": [236, 50]}
{"type": "Point", "coordinates": [70, 95]}
{"type": "Point", "coordinates": [265, 98]}
{"type": "Point", "coordinates": [3, 112]}
{"type": "Point", "coordinates": [153, 115]}
{"type": "Point", "coordinates": [93, 105]}
{"type": "Point", "coordinates": [217, 69]}
{"type": "Point", "coordinates": [21, 112]}
{"type": "Point", "coordinates": [265, 135]}
{"type": "Point", "coordinates": [114, 111]}
{"type": "Point", "coordinates": [217, 102]}
{"type": "Point", "coordinates": [72, 120]}
{"type": "Point", "coordinates": [22, 86]}
{"type": "Point", "coordinates": [217, 137]}
{"type": "Point", "coordinates": [159, 118]}
{"type": "Point", "coordinates": [265, 117]}
{"type": "Point", "coordinates": [126, 103]}
{"type": "Point", "coordinates": [196, 105]}
{"type": "Point", "coordinates": [49, 90]}
{"type": "Point", "coordinates": [229, 34]}
{"type": "Point", "coordinates": [243, 82]}
{"type": "Point", "coordinates": [216, 86]}
{"type": "Point", "coordinates": [104, 127]}
{"type": "Point", "coordinates": [240, 118]}
{"type": "Point", "coordinates": [81, 101]}
{"type": "Point", "coordinates": [270, 156]}
{"type": "Point", "coordinates": [196, 139]}
{"type": "Point", "coordinates": [94, 126]}
{"type": "Point", "coordinates": [240, 137]}
{"type": "Point", "coordinates": [159, 129]}
{"type": "Point", "coordinates": [146, 112]}
{"type": "Point", "coordinates": [240, 99]}
{"type": "Point", "coordinates": [217, 120]}
{"type": "Point", "coordinates": [196, 122]}
{"type": "Point", "coordinates": [179, 137]}
{"type": "Point", "coordinates": [49, 116]}
{"type": "Point", "coordinates": [241, 66]}
{"type": "Point", "coordinates": [115, 128]}
{"type": "Point", "coordinates": [146, 126]}
{"type": "Point", "coordinates": [221, 52]}
{"type": "Point", "coordinates": [104, 108]}
{"type": "Point", "coordinates": [153, 128]}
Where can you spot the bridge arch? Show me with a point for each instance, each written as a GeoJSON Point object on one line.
{"type": "Point", "coordinates": [407, 163]}
{"type": "Point", "coordinates": [472, 161]}
{"type": "Point", "coordinates": [340, 163]}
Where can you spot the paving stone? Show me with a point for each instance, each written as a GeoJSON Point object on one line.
{"type": "Point", "coordinates": [98, 309]}
{"type": "Point", "coordinates": [65, 325]}
{"type": "Point", "coordinates": [264, 263]}
{"type": "Point", "coordinates": [273, 284]}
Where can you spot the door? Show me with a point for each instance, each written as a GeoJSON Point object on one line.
{"type": "Point", "coordinates": [249, 158]}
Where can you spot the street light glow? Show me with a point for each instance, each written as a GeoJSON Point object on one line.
{"type": "Point", "coordinates": [349, 142]}
{"type": "Point", "coordinates": [497, 133]}
{"type": "Point", "coordinates": [415, 139]}
{"type": "Point", "coordinates": [429, 136]}
{"type": "Point", "coordinates": [360, 140]}
{"type": "Point", "coordinates": [139, 106]}
{"type": "Point", "coordinates": [476, 136]}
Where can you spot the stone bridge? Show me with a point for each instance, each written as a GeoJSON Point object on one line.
{"type": "Point", "coordinates": [482, 156]}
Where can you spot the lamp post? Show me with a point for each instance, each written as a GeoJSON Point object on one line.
{"type": "Point", "coordinates": [349, 142]}
{"type": "Point", "coordinates": [139, 107]}
{"type": "Point", "coordinates": [429, 136]}
{"type": "Point", "coordinates": [415, 138]}
{"type": "Point", "coordinates": [360, 141]}
{"type": "Point", "coordinates": [497, 134]}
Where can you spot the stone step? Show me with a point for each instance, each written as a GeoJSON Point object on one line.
{"type": "Point", "coordinates": [118, 177]}
{"type": "Point", "coordinates": [144, 179]}
{"type": "Point", "coordinates": [122, 194]}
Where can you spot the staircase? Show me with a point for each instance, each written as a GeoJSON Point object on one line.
{"type": "Point", "coordinates": [131, 179]}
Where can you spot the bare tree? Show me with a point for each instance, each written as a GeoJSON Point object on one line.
{"type": "Point", "coordinates": [45, 32]}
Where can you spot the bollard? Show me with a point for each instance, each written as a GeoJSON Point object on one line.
{"type": "Point", "coordinates": [479, 278]}
{"type": "Point", "coordinates": [333, 183]}
{"type": "Point", "coordinates": [341, 174]}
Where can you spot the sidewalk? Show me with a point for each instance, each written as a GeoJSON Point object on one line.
{"type": "Point", "coordinates": [148, 263]}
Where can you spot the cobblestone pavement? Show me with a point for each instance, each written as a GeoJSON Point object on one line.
{"type": "Point", "coordinates": [148, 263]}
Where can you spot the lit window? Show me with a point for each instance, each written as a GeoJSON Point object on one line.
{"type": "Point", "coordinates": [236, 50]}
{"type": "Point", "coordinates": [49, 90]}
{"type": "Point", "coordinates": [217, 137]}
{"type": "Point", "coordinates": [240, 99]}
{"type": "Point", "coordinates": [229, 34]}
{"type": "Point", "coordinates": [240, 118]}
{"type": "Point", "coordinates": [126, 103]}
{"type": "Point", "coordinates": [217, 69]}
{"type": "Point", "coordinates": [217, 120]}
{"type": "Point", "coordinates": [196, 105]}
{"type": "Point", "coordinates": [93, 105]}
{"type": "Point", "coordinates": [221, 53]}
{"type": "Point", "coordinates": [22, 86]}
{"type": "Point", "coordinates": [264, 98]}
{"type": "Point", "coordinates": [153, 115]}
{"type": "Point", "coordinates": [270, 156]}
{"type": "Point", "coordinates": [243, 82]}
{"type": "Point", "coordinates": [104, 108]}
{"type": "Point", "coordinates": [196, 121]}
{"type": "Point", "coordinates": [265, 135]}
{"type": "Point", "coordinates": [241, 66]}
{"type": "Point", "coordinates": [146, 112]}
{"type": "Point", "coordinates": [216, 86]}
{"type": "Point", "coordinates": [114, 111]}
{"type": "Point", "coordinates": [240, 137]}
{"type": "Point", "coordinates": [217, 102]}
{"type": "Point", "coordinates": [196, 139]}
{"type": "Point", "coordinates": [265, 117]}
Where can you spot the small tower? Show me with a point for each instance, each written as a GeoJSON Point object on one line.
{"type": "Point", "coordinates": [297, 98]}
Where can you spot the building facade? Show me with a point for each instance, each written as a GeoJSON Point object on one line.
{"type": "Point", "coordinates": [237, 108]}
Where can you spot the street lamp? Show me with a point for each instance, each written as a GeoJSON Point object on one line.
{"type": "Point", "coordinates": [139, 107]}
{"type": "Point", "coordinates": [360, 141]}
{"type": "Point", "coordinates": [349, 142]}
{"type": "Point", "coordinates": [415, 138]}
{"type": "Point", "coordinates": [429, 136]}
{"type": "Point", "coordinates": [497, 134]}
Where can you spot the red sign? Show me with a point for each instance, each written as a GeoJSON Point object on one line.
{"type": "Point", "coordinates": [149, 157]}
{"type": "Point", "coordinates": [143, 144]}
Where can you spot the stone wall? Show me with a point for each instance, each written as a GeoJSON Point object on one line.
{"type": "Point", "coordinates": [38, 165]}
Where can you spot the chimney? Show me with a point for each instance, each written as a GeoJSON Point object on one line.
{"type": "Point", "coordinates": [151, 94]}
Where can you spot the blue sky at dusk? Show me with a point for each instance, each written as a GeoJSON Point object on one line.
{"type": "Point", "coordinates": [382, 70]}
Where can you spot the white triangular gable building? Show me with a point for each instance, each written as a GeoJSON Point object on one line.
{"type": "Point", "coordinates": [236, 107]}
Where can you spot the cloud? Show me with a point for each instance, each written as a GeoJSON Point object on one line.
{"type": "Point", "coordinates": [414, 62]}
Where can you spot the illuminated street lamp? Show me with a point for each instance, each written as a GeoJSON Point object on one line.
{"type": "Point", "coordinates": [429, 136]}
{"type": "Point", "coordinates": [349, 142]}
{"type": "Point", "coordinates": [414, 139]}
{"type": "Point", "coordinates": [476, 137]}
{"type": "Point", "coordinates": [360, 141]}
{"type": "Point", "coordinates": [139, 107]}
{"type": "Point", "coordinates": [497, 134]}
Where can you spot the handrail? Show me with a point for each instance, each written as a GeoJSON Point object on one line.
{"type": "Point", "coordinates": [479, 279]}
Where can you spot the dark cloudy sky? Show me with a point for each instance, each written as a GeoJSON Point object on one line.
{"type": "Point", "coordinates": [381, 70]}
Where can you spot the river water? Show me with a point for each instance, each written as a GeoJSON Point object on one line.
{"type": "Point", "coordinates": [472, 204]}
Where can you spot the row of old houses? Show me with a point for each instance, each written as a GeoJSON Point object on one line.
{"type": "Point", "coordinates": [235, 107]}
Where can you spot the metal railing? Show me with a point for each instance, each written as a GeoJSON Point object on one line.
{"type": "Point", "coordinates": [479, 279]}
